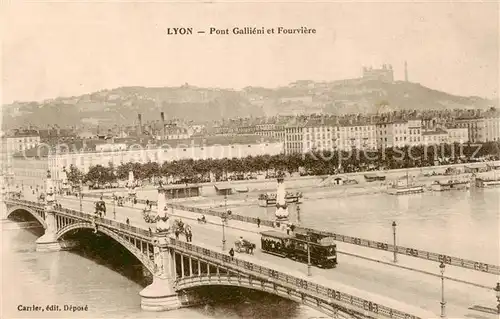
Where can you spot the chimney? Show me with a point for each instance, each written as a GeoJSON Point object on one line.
{"type": "Point", "coordinates": [162, 115]}
{"type": "Point", "coordinates": [139, 124]}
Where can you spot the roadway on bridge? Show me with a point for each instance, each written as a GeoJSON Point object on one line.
{"type": "Point", "coordinates": [412, 288]}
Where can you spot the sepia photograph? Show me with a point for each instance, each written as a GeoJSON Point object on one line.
{"type": "Point", "coordinates": [250, 159]}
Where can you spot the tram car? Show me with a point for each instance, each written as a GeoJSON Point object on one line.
{"type": "Point", "coordinates": [323, 251]}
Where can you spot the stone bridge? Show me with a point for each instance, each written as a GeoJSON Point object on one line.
{"type": "Point", "coordinates": [178, 266]}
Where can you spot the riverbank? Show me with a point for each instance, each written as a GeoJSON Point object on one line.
{"type": "Point", "coordinates": [312, 187]}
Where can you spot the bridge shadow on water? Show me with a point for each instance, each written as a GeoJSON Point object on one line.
{"type": "Point", "coordinates": [235, 302]}
{"type": "Point", "coordinates": [218, 301]}
{"type": "Point", "coordinates": [106, 252]}
{"type": "Point", "coordinates": [22, 216]}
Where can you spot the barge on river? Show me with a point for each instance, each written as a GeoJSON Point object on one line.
{"type": "Point", "coordinates": [450, 185]}
{"type": "Point", "coordinates": [404, 187]}
{"type": "Point", "coordinates": [487, 182]}
{"type": "Point", "coordinates": [269, 199]}
{"type": "Point", "coordinates": [404, 190]}
{"type": "Point", "coordinates": [374, 177]}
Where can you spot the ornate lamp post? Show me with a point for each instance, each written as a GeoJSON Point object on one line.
{"type": "Point", "coordinates": [394, 240]}
{"type": "Point", "coordinates": [114, 205]}
{"type": "Point", "coordinates": [81, 194]}
{"type": "Point", "coordinates": [497, 290]}
{"type": "Point", "coordinates": [298, 214]}
{"type": "Point", "coordinates": [309, 273]}
{"type": "Point", "coordinates": [443, 302]}
{"type": "Point", "coordinates": [225, 215]}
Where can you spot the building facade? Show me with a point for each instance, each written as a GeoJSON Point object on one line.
{"type": "Point", "coordinates": [435, 137]}
{"type": "Point", "coordinates": [359, 136]}
{"type": "Point", "coordinates": [457, 135]}
{"type": "Point", "coordinates": [218, 147]}
{"type": "Point", "coordinates": [30, 171]}
{"type": "Point", "coordinates": [294, 139]}
{"type": "Point", "coordinates": [14, 143]}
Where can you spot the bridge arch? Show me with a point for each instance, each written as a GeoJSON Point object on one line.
{"type": "Point", "coordinates": [146, 262]}
{"type": "Point", "coordinates": [29, 210]}
{"type": "Point", "coordinates": [187, 283]}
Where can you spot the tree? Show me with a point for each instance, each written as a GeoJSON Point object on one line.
{"type": "Point", "coordinates": [99, 175]}
{"type": "Point", "coordinates": [74, 175]}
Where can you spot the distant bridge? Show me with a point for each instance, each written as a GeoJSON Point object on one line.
{"type": "Point", "coordinates": [178, 266]}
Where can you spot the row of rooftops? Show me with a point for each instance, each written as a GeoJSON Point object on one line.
{"type": "Point", "coordinates": [276, 122]}
{"type": "Point", "coordinates": [89, 146]}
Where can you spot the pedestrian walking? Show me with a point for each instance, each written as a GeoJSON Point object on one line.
{"type": "Point", "coordinates": [288, 229]}
{"type": "Point", "coordinates": [258, 222]}
{"type": "Point", "coordinates": [176, 234]}
{"type": "Point", "coordinates": [231, 253]}
{"type": "Point", "coordinates": [127, 221]}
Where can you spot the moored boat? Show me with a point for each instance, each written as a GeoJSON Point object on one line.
{"type": "Point", "coordinates": [374, 177]}
{"type": "Point", "coordinates": [450, 185]}
{"type": "Point", "coordinates": [269, 199]}
{"type": "Point", "coordinates": [404, 186]}
{"type": "Point", "coordinates": [403, 190]}
{"type": "Point", "coordinates": [487, 182]}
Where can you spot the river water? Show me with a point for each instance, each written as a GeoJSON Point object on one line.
{"type": "Point", "coordinates": [458, 223]}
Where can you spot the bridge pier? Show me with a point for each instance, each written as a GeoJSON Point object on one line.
{"type": "Point", "coordinates": [49, 242]}
{"type": "Point", "coordinates": [161, 295]}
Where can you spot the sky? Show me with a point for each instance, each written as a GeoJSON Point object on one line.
{"type": "Point", "coordinates": [56, 49]}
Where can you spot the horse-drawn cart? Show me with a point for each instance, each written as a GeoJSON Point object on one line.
{"type": "Point", "coordinates": [244, 246]}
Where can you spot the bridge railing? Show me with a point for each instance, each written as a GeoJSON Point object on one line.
{"type": "Point", "coordinates": [408, 251]}
{"type": "Point", "coordinates": [297, 283]}
{"type": "Point", "coordinates": [88, 217]}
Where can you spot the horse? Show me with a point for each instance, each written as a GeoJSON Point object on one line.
{"type": "Point", "coordinates": [246, 246]}
{"type": "Point", "coordinates": [201, 220]}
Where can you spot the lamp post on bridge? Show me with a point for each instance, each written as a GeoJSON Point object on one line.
{"type": "Point", "coordinates": [298, 214]}
{"type": "Point", "coordinates": [225, 215]}
{"type": "Point", "coordinates": [497, 291]}
{"type": "Point", "coordinates": [394, 240]}
{"type": "Point", "coordinates": [443, 302]}
{"type": "Point", "coordinates": [80, 195]}
{"type": "Point", "coordinates": [225, 201]}
{"type": "Point", "coordinates": [309, 273]}
{"type": "Point", "coordinates": [114, 205]}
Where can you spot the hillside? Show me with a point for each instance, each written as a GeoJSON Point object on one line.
{"type": "Point", "coordinates": [121, 105]}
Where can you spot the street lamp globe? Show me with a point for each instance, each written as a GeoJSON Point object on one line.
{"type": "Point", "coordinates": [441, 268]}
{"type": "Point", "coordinates": [394, 225]}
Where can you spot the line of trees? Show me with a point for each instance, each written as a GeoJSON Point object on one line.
{"type": "Point", "coordinates": [315, 163]}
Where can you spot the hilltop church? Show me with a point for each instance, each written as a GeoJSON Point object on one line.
{"type": "Point", "coordinates": [384, 74]}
